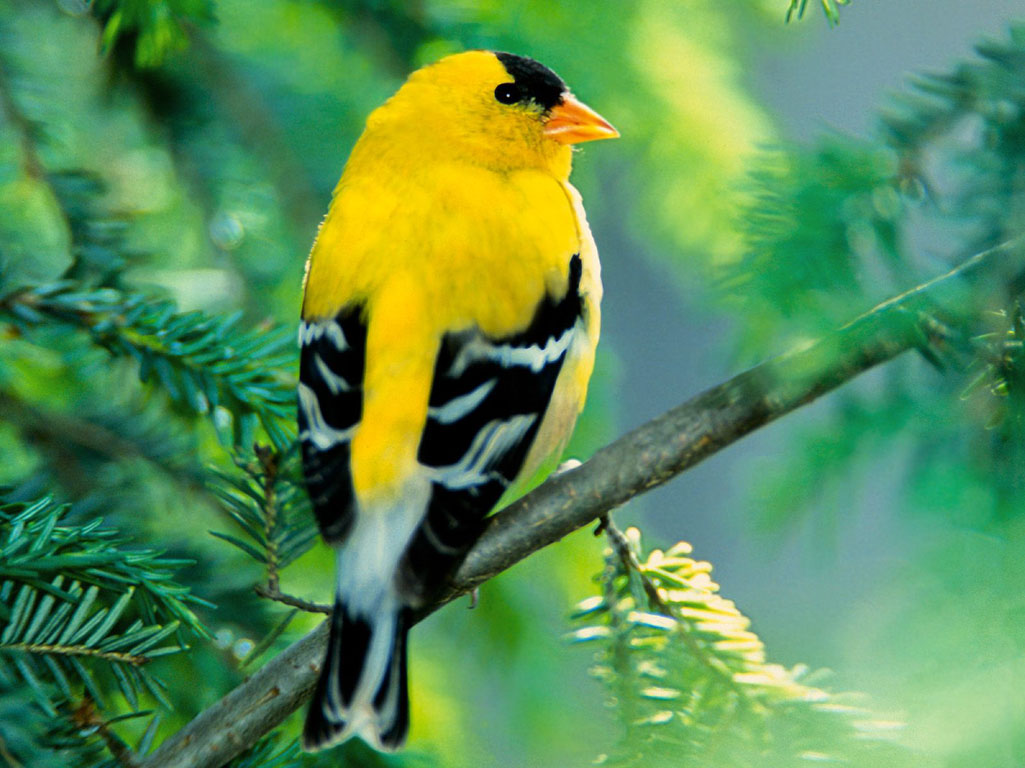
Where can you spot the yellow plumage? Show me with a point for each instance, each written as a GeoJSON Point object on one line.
{"type": "Point", "coordinates": [454, 218]}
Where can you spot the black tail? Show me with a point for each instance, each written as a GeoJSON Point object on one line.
{"type": "Point", "coordinates": [362, 687]}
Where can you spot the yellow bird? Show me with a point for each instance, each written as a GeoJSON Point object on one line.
{"type": "Point", "coordinates": [449, 323]}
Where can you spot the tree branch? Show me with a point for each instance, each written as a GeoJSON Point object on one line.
{"type": "Point", "coordinates": [640, 460]}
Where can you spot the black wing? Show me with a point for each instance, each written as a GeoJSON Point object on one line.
{"type": "Point", "coordinates": [486, 405]}
{"type": "Point", "coordinates": [331, 368]}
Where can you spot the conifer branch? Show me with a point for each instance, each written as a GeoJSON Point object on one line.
{"type": "Point", "coordinates": [58, 649]}
{"type": "Point", "coordinates": [926, 317]}
{"type": "Point", "coordinates": [85, 716]}
{"type": "Point", "coordinates": [829, 7]}
{"type": "Point", "coordinates": [201, 362]}
{"type": "Point", "coordinates": [79, 606]}
{"type": "Point", "coordinates": [269, 461]}
{"type": "Point", "coordinates": [278, 596]}
{"type": "Point", "coordinates": [691, 684]}
{"type": "Point", "coordinates": [628, 557]}
{"type": "Point", "coordinates": [268, 502]}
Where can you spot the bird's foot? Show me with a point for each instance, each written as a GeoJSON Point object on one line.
{"type": "Point", "coordinates": [566, 466]}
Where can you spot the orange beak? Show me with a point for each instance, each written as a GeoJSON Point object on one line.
{"type": "Point", "coordinates": [572, 122]}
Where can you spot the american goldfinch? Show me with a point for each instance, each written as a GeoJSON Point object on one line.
{"type": "Point", "coordinates": [449, 323]}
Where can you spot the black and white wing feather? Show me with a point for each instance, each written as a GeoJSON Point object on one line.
{"type": "Point", "coordinates": [487, 403]}
{"type": "Point", "coordinates": [332, 361]}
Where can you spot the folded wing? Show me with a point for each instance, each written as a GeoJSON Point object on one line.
{"type": "Point", "coordinates": [487, 403]}
{"type": "Point", "coordinates": [332, 361]}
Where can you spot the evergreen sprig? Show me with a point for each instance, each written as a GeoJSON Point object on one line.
{"type": "Point", "coordinates": [148, 31]}
{"type": "Point", "coordinates": [822, 229]}
{"type": "Point", "coordinates": [830, 7]}
{"type": "Point", "coordinates": [80, 737]}
{"type": "Point", "coordinates": [268, 502]}
{"type": "Point", "coordinates": [959, 137]}
{"type": "Point", "coordinates": [828, 224]}
{"type": "Point", "coordinates": [205, 364]}
{"type": "Point", "coordinates": [691, 682]}
{"type": "Point", "coordinates": [98, 235]}
{"type": "Point", "coordinates": [76, 602]}
{"type": "Point", "coordinates": [988, 87]}
{"type": "Point", "coordinates": [1001, 365]}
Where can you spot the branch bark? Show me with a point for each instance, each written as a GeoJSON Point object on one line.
{"type": "Point", "coordinates": [640, 460]}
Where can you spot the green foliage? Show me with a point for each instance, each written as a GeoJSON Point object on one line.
{"type": "Point", "coordinates": [1002, 373]}
{"type": "Point", "coordinates": [830, 7]}
{"type": "Point", "coordinates": [65, 595]}
{"type": "Point", "coordinates": [822, 232]}
{"type": "Point", "coordinates": [270, 506]}
{"type": "Point", "coordinates": [939, 446]}
{"type": "Point", "coordinates": [205, 365]}
{"type": "Point", "coordinates": [80, 738]}
{"type": "Point", "coordinates": [959, 138]}
{"type": "Point", "coordinates": [82, 615]}
{"type": "Point", "coordinates": [690, 682]}
{"type": "Point", "coordinates": [150, 30]}
{"type": "Point", "coordinates": [838, 226]}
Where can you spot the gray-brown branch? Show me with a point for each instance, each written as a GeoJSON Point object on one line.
{"type": "Point", "coordinates": [640, 460]}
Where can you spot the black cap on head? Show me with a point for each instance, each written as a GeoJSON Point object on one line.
{"type": "Point", "coordinates": [537, 81]}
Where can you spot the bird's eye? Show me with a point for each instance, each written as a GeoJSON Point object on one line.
{"type": "Point", "coordinates": [508, 93]}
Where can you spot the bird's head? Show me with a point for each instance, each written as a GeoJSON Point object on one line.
{"type": "Point", "coordinates": [498, 110]}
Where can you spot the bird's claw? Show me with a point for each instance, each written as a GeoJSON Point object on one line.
{"type": "Point", "coordinates": [474, 598]}
{"type": "Point", "coordinates": [566, 466]}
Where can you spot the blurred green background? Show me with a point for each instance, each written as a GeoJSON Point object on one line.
{"type": "Point", "coordinates": [770, 184]}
